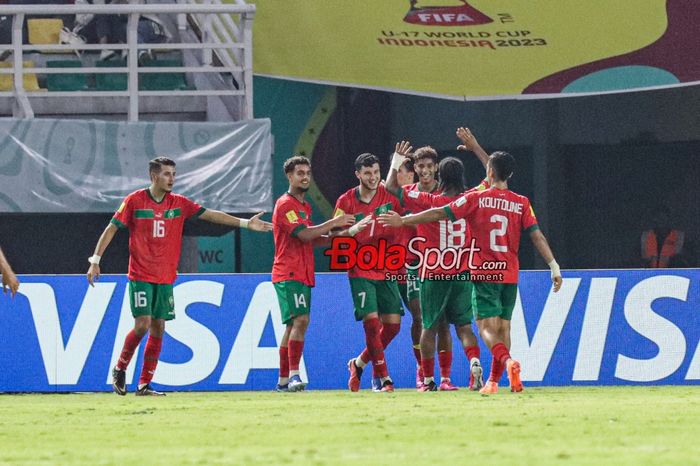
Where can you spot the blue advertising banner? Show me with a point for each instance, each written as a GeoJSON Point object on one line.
{"type": "Point", "coordinates": [604, 327]}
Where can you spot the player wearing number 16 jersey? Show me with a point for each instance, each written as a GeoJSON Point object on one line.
{"type": "Point", "coordinates": [154, 217]}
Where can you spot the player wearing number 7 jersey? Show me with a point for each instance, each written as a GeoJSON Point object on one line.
{"type": "Point", "coordinates": [154, 217]}
{"type": "Point", "coordinates": [495, 217]}
{"type": "Point", "coordinates": [376, 300]}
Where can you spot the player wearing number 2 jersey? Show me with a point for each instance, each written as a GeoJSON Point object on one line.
{"type": "Point", "coordinates": [376, 300]}
{"type": "Point", "coordinates": [154, 217]}
{"type": "Point", "coordinates": [496, 217]}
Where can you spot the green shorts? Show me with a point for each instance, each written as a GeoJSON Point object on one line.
{"type": "Point", "coordinates": [494, 300]}
{"type": "Point", "coordinates": [370, 296]}
{"type": "Point", "coordinates": [294, 298]}
{"type": "Point", "coordinates": [409, 290]}
{"type": "Point", "coordinates": [450, 300]}
{"type": "Point", "coordinates": [152, 299]}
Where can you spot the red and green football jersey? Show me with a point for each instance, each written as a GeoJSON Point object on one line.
{"type": "Point", "coordinates": [382, 202]}
{"type": "Point", "coordinates": [444, 233]}
{"type": "Point", "coordinates": [495, 217]}
{"type": "Point", "coordinates": [294, 259]}
{"type": "Point", "coordinates": [155, 233]}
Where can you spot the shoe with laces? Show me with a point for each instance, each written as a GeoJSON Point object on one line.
{"type": "Point", "coordinates": [429, 387]}
{"type": "Point", "coordinates": [355, 375]}
{"type": "Point", "coordinates": [119, 381]}
{"type": "Point", "coordinates": [147, 390]}
{"type": "Point", "coordinates": [447, 386]}
{"type": "Point", "coordinates": [476, 376]}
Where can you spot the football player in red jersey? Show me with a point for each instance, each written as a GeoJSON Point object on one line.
{"type": "Point", "coordinates": [293, 267]}
{"type": "Point", "coordinates": [155, 217]}
{"type": "Point", "coordinates": [443, 302]}
{"type": "Point", "coordinates": [496, 217]}
{"type": "Point", "coordinates": [376, 299]}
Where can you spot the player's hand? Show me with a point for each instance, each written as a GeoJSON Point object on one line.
{"type": "Point", "coordinates": [93, 274]}
{"type": "Point", "coordinates": [390, 219]}
{"type": "Point", "coordinates": [344, 221]}
{"type": "Point", "coordinates": [403, 148]}
{"type": "Point", "coordinates": [255, 224]}
{"type": "Point", "coordinates": [557, 281]}
{"type": "Point", "coordinates": [469, 142]}
{"type": "Point", "coordinates": [361, 225]}
{"type": "Point", "coordinates": [9, 281]}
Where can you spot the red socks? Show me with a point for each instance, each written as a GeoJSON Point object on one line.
{"type": "Point", "coordinates": [295, 349]}
{"type": "Point", "coordinates": [472, 352]}
{"type": "Point", "coordinates": [284, 362]}
{"type": "Point", "coordinates": [150, 359]}
{"type": "Point", "coordinates": [374, 346]}
{"type": "Point", "coordinates": [416, 353]}
{"type": "Point", "coordinates": [428, 365]}
{"type": "Point", "coordinates": [445, 362]}
{"type": "Point", "coordinates": [386, 335]}
{"type": "Point", "coordinates": [501, 355]}
{"type": "Point", "coordinates": [131, 342]}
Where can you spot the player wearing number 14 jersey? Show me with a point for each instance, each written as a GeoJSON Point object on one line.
{"type": "Point", "coordinates": [293, 267]}
{"type": "Point", "coordinates": [154, 217]}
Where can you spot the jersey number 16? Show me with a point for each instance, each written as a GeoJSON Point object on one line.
{"type": "Point", "coordinates": [159, 228]}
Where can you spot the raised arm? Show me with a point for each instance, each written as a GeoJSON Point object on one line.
{"type": "Point", "coordinates": [401, 152]}
{"type": "Point", "coordinates": [9, 279]}
{"type": "Point", "coordinates": [545, 251]}
{"type": "Point", "coordinates": [469, 143]}
{"type": "Point", "coordinates": [254, 223]}
{"type": "Point", "coordinates": [105, 238]}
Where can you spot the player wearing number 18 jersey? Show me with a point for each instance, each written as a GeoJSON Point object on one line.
{"type": "Point", "coordinates": [154, 217]}
{"type": "Point", "coordinates": [496, 217]}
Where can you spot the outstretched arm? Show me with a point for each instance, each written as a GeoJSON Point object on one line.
{"type": "Point", "coordinates": [316, 232]}
{"type": "Point", "coordinates": [401, 152]}
{"type": "Point", "coordinates": [105, 238]}
{"type": "Point", "coordinates": [543, 248]}
{"type": "Point", "coordinates": [254, 223]}
{"type": "Point", "coordinates": [9, 279]}
{"type": "Point", "coordinates": [393, 219]}
{"type": "Point", "coordinates": [469, 143]}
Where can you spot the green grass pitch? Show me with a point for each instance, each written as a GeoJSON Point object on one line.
{"type": "Point", "coordinates": [561, 426]}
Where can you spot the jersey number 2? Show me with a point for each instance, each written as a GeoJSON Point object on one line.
{"type": "Point", "coordinates": [496, 232]}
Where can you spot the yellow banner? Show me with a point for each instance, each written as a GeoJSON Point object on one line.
{"type": "Point", "coordinates": [478, 48]}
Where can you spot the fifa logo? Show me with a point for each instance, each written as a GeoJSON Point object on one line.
{"type": "Point", "coordinates": [457, 15]}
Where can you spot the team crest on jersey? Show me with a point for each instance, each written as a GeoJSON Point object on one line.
{"type": "Point", "coordinates": [292, 216]}
{"type": "Point", "coordinates": [413, 194]}
{"type": "Point", "coordinates": [460, 202]}
{"type": "Point", "coordinates": [382, 209]}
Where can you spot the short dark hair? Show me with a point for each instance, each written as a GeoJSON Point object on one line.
{"type": "Point", "coordinates": [365, 160]}
{"type": "Point", "coordinates": [156, 164]}
{"type": "Point", "coordinates": [291, 163]}
{"type": "Point", "coordinates": [503, 165]}
{"type": "Point", "coordinates": [451, 171]}
{"type": "Point", "coordinates": [425, 152]}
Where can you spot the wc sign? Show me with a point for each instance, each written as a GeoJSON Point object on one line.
{"type": "Point", "coordinates": [604, 327]}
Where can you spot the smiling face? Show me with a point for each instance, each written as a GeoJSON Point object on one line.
{"type": "Point", "coordinates": [300, 178]}
{"type": "Point", "coordinates": [369, 176]}
{"type": "Point", "coordinates": [426, 169]}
